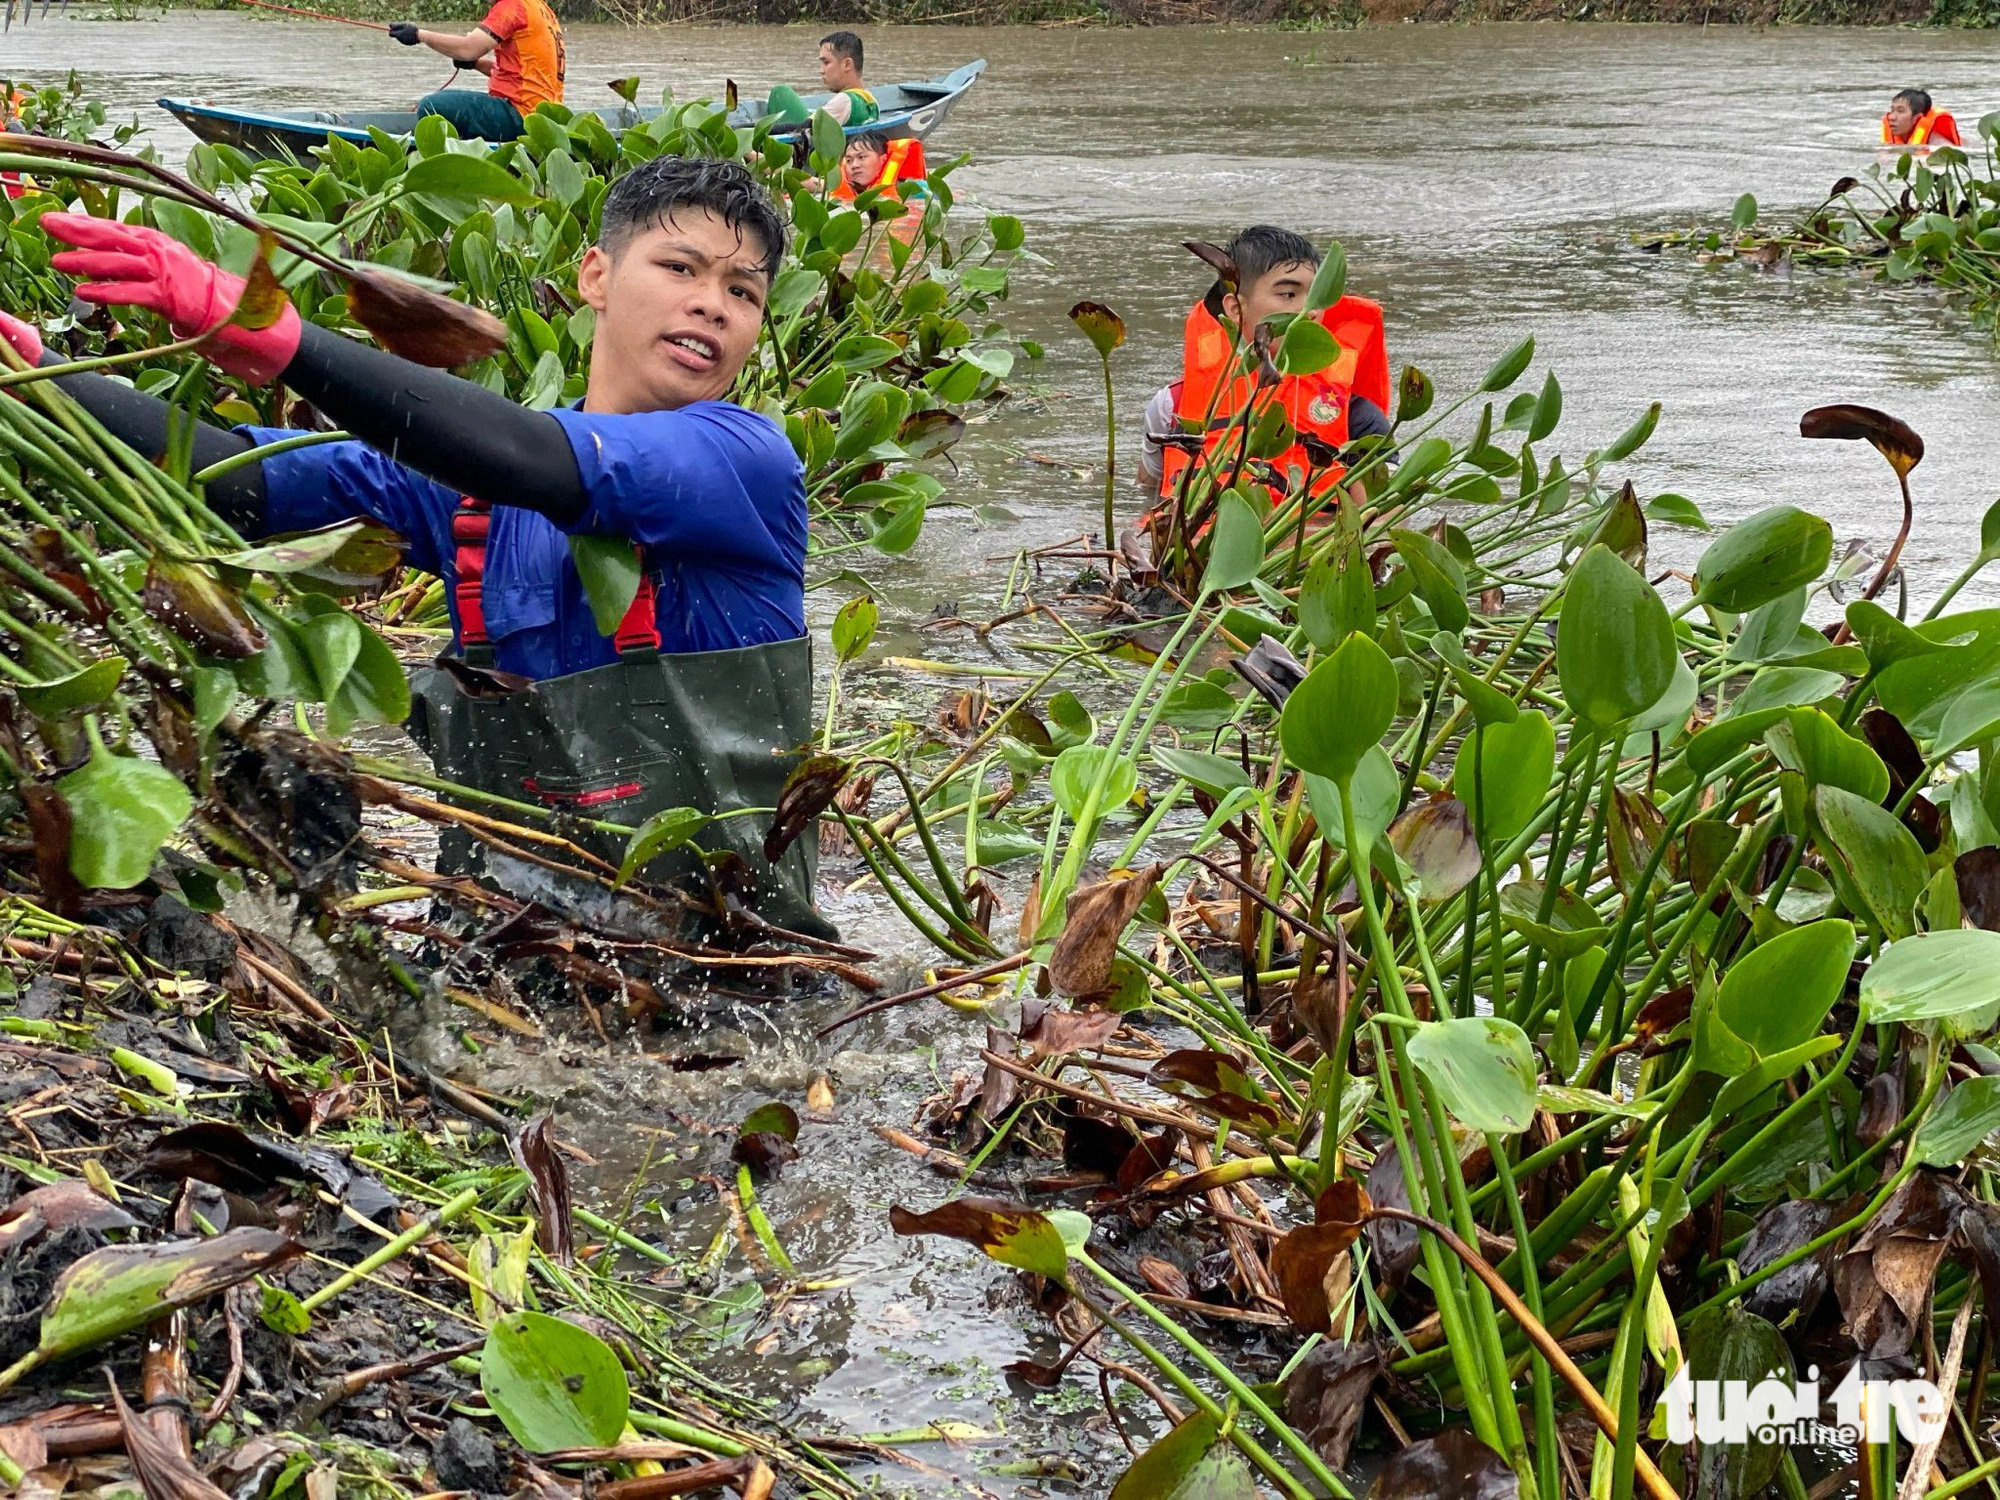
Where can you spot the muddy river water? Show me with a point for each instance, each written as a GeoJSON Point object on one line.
{"type": "Point", "coordinates": [1487, 183]}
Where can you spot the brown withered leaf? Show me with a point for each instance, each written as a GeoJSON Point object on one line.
{"type": "Point", "coordinates": [1978, 874]}
{"type": "Point", "coordinates": [1634, 828]}
{"type": "Point", "coordinates": [1308, 1259]}
{"type": "Point", "coordinates": [1152, 1156]}
{"type": "Point", "coordinates": [200, 608]}
{"type": "Point", "coordinates": [263, 301]}
{"type": "Point", "coordinates": [1094, 918]}
{"type": "Point", "coordinates": [1660, 1015]}
{"type": "Point", "coordinates": [483, 682]}
{"type": "Point", "coordinates": [49, 823]}
{"type": "Point", "coordinates": [1885, 1280]}
{"type": "Point", "coordinates": [1393, 1244]}
{"type": "Point", "coordinates": [1302, 1262]}
{"type": "Point", "coordinates": [1012, 1233]}
{"type": "Point", "coordinates": [1091, 1144]}
{"type": "Point", "coordinates": [24, 1444]}
{"type": "Point", "coordinates": [1049, 1032]}
{"type": "Point", "coordinates": [534, 1151]}
{"type": "Point", "coordinates": [1893, 438]}
{"type": "Point", "coordinates": [1890, 740]}
{"type": "Point", "coordinates": [62, 1205]}
{"type": "Point", "coordinates": [1214, 257]}
{"type": "Point", "coordinates": [1327, 1393]}
{"type": "Point", "coordinates": [164, 1472]}
{"type": "Point", "coordinates": [1216, 1083]}
{"type": "Point", "coordinates": [420, 325]}
{"type": "Point", "coordinates": [1320, 998]}
{"type": "Point", "coordinates": [1435, 840]}
{"type": "Point", "coordinates": [1136, 547]}
{"type": "Point", "coordinates": [1454, 1464]}
{"type": "Point", "coordinates": [767, 1138]}
{"type": "Point", "coordinates": [1843, 185]}
{"type": "Point", "coordinates": [1979, 1228]}
{"type": "Point", "coordinates": [1881, 1107]}
{"type": "Point", "coordinates": [807, 793]}
{"type": "Point", "coordinates": [1164, 1277]}
{"type": "Point", "coordinates": [234, 1159]}
{"type": "Point", "coordinates": [1783, 1229]}
{"type": "Point", "coordinates": [1271, 669]}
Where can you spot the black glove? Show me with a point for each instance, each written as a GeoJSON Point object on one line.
{"type": "Point", "coordinates": [404, 32]}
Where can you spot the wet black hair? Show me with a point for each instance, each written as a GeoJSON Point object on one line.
{"type": "Point", "coordinates": [874, 140]}
{"type": "Point", "coordinates": [1262, 248]}
{"type": "Point", "coordinates": [1917, 99]}
{"type": "Point", "coordinates": [652, 193]}
{"type": "Point", "coordinates": [845, 44]}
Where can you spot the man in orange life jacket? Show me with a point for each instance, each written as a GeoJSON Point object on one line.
{"type": "Point", "coordinates": [1912, 120]}
{"type": "Point", "coordinates": [1348, 400]}
{"type": "Point", "coordinates": [872, 160]}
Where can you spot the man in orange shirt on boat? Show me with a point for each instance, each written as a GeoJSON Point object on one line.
{"type": "Point", "coordinates": [1912, 120]}
{"type": "Point", "coordinates": [1347, 400]}
{"type": "Point", "coordinates": [518, 46]}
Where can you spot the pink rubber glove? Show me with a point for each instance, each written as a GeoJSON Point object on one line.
{"type": "Point", "coordinates": [23, 338]}
{"type": "Point", "coordinates": [129, 265]}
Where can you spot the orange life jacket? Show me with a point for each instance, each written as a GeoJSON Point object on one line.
{"type": "Point", "coordinates": [1933, 127]}
{"type": "Point", "coordinates": [1315, 404]}
{"type": "Point", "coordinates": [904, 163]}
{"type": "Point", "coordinates": [10, 108]}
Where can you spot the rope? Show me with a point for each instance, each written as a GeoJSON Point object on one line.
{"type": "Point", "coordinates": [313, 15]}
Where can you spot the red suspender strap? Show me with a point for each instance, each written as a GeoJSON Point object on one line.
{"type": "Point", "coordinates": [640, 629]}
{"type": "Point", "coordinates": [470, 527]}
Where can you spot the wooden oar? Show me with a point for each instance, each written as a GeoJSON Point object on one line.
{"type": "Point", "coordinates": [313, 15]}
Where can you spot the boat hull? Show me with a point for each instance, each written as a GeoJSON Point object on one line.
{"type": "Point", "coordinates": [908, 109]}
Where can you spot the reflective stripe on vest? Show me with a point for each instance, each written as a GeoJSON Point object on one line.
{"type": "Point", "coordinates": [1213, 389]}
{"type": "Point", "coordinates": [470, 527]}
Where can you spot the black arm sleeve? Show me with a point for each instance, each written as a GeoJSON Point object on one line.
{"type": "Point", "coordinates": [141, 423]}
{"type": "Point", "coordinates": [1365, 418]}
{"type": "Point", "coordinates": [460, 434]}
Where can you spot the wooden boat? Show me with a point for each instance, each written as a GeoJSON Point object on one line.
{"type": "Point", "coordinates": [908, 109]}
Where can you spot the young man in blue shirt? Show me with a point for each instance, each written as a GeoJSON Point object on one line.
{"type": "Point", "coordinates": [706, 686]}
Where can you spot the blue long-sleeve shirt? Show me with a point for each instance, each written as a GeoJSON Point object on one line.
{"type": "Point", "coordinates": [712, 492]}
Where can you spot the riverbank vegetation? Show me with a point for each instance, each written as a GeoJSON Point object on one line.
{"type": "Point", "coordinates": [1441, 972]}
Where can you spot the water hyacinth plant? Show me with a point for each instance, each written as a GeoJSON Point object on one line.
{"type": "Point", "coordinates": [1538, 984]}
{"type": "Point", "coordinates": [1498, 983]}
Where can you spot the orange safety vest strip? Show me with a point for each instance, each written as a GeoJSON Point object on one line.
{"type": "Point", "coordinates": [904, 162]}
{"type": "Point", "coordinates": [1315, 404]}
{"type": "Point", "coordinates": [10, 108]}
{"type": "Point", "coordinates": [1932, 127]}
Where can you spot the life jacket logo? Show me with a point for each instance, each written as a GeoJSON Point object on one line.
{"type": "Point", "coordinates": [1323, 410]}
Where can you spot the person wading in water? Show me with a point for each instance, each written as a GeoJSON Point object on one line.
{"type": "Point", "coordinates": [1348, 400]}
{"type": "Point", "coordinates": [1912, 120]}
{"type": "Point", "coordinates": [518, 46]}
{"type": "Point", "coordinates": [705, 690]}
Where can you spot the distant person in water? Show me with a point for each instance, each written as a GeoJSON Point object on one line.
{"type": "Point", "coordinates": [1912, 120]}
{"type": "Point", "coordinates": [873, 160]}
{"type": "Point", "coordinates": [519, 49]}
{"type": "Point", "coordinates": [840, 75]}
{"type": "Point", "coordinates": [1345, 401]}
